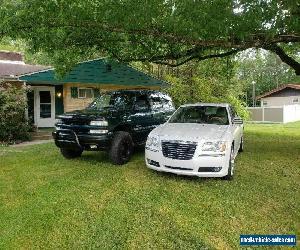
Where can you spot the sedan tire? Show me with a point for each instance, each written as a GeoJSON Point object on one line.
{"type": "Point", "coordinates": [230, 172]}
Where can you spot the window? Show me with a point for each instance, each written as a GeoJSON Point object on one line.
{"type": "Point", "coordinates": [141, 103]}
{"type": "Point", "coordinates": [85, 93]}
{"type": "Point", "coordinates": [295, 100]}
{"type": "Point", "coordinates": [167, 104]}
{"type": "Point", "coordinates": [201, 114]}
{"type": "Point", "coordinates": [160, 101]}
{"type": "Point", "coordinates": [155, 102]}
{"type": "Point", "coordinates": [45, 104]}
{"type": "Point", "coordinates": [110, 100]}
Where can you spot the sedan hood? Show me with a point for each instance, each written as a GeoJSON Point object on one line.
{"type": "Point", "coordinates": [191, 131]}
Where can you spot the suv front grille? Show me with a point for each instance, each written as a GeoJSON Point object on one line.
{"type": "Point", "coordinates": [72, 122]}
{"type": "Point", "coordinates": [178, 150]}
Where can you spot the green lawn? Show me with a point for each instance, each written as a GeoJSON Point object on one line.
{"type": "Point", "coordinates": [49, 202]}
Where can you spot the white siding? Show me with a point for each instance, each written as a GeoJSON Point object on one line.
{"type": "Point", "coordinates": [279, 101]}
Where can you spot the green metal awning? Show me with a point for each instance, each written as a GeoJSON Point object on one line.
{"type": "Point", "coordinates": [98, 71]}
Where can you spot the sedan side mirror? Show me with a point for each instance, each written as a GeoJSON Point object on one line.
{"type": "Point", "coordinates": [237, 120]}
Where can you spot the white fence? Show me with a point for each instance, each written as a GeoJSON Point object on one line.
{"type": "Point", "coordinates": [276, 114]}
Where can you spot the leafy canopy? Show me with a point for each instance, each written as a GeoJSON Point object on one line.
{"type": "Point", "coordinates": [169, 32]}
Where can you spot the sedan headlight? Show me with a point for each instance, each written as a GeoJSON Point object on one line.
{"type": "Point", "coordinates": [217, 146]}
{"type": "Point", "coordinates": [99, 123]}
{"type": "Point", "coordinates": [152, 142]}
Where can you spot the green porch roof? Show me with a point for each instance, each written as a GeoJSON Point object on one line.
{"type": "Point", "coordinates": [98, 71]}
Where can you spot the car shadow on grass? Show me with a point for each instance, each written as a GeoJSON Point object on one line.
{"type": "Point", "coordinates": [101, 158]}
{"type": "Point", "coordinates": [181, 178]}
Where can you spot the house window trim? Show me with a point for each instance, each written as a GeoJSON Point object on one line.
{"type": "Point", "coordinates": [85, 97]}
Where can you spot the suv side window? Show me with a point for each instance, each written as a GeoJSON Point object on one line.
{"type": "Point", "coordinates": [155, 102]}
{"type": "Point", "coordinates": [141, 103]}
{"type": "Point", "coordinates": [167, 104]}
{"type": "Point", "coordinates": [161, 102]}
{"type": "Point", "coordinates": [122, 101]}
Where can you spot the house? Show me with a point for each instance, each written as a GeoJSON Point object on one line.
{"type": "Point", "coordinates": [288, 94]}
{"type": "Point", "coordinates": [12, 66]}
{"type": "Point", "coordinates": [280, 105]}
{"type": "Point", "coordinates": [51, 96]}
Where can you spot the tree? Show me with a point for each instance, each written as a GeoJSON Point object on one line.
{"type": "Point", "coordinates": [170, 32]}
{"type": "Point", "coordinates": [209, 81]}
{"type": "Point", "coordinates": [264, 69]}
{"type": "Point", "coordinates": [20, 46]}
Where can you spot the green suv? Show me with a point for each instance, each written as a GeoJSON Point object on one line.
{"type": "Point", "coordinates": [114, 122]}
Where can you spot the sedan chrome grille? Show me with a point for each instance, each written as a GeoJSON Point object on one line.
{"type": "Point", "coordinates": [178, 150]}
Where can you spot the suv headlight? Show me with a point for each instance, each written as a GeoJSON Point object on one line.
{"type": "Point", "coordinates": [152, 142]}
{"type": "Point", "coordinates": [57, 123]}
{"type": "Point", "coordinates": [217, 146]}
{"type": "Point", "coordinates": [99, 123]}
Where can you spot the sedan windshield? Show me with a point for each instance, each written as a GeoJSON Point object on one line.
{"type": "Point", "coordinates": [201, 114]}
{"type": "Point", "coordinates": [112, 100]}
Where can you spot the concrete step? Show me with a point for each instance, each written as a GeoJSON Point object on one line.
{"type": "Point", "coordinates": [41, 135]}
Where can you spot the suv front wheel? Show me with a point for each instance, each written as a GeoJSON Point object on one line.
{"type": "Point", "coordinates": [121, 148]}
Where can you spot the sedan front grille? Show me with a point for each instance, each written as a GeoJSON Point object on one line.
{"type": "Point", "coordinates": [178, 150]}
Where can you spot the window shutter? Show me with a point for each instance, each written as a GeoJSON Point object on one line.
{"type": "Point", "coordinates": [96, 92]}
{"type": "Point", "coordinates": [74, 92]}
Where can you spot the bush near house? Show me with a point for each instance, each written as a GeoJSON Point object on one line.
{"type": "Point", "coordinates": [13, 124]}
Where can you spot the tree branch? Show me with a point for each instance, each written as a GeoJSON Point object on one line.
{"type": "Point", "coordinates": [285, 57]}
{"type": "Point", "coordinates": [199, 58]}
{"type": "Point", "coordinates": [254, 40]}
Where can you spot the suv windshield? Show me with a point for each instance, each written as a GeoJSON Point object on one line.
{"type": "Point", "coordinates": [112, 100]}
{"type": "Point", "coordinates": [201, 114]}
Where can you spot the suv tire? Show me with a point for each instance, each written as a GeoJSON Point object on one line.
{"type": "Point", "coordinates": [121, 148]}
{"type": "Point", "coordinates": [70, 153]}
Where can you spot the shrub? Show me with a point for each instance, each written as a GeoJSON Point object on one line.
{"type": "Point", "coordinates": [13, 123]}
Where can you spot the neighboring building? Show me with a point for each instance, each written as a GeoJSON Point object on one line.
{"type": "Point", "coordinates": [51, 96]}
{"type": "Point", "coordinates": [288, 94]}
{"type": "Point", "coordinates": [280, 105]}
{"type": "Point", "coordinates": [12, 66]}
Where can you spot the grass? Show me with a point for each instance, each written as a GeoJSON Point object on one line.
{"type": "Point", "coordinates": [49, 202]}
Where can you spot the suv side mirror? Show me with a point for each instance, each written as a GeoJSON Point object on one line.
{"type": "Point", "coordinates": [237, 120]}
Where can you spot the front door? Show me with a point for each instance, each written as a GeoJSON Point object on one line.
{"type": "Point", "coordinates": [45, 106]}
